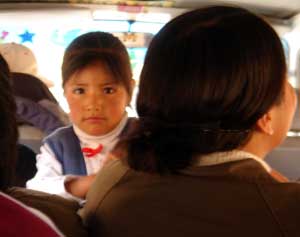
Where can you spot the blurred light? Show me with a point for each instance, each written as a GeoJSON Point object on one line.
{"type": "Point", "coordinates": [113, 26]}
{"type": "Point", "coordinates": [153, 17]}
{"type": "Point", "coordinates": [146, 27]}
{"type": "Point", "coordinates": [293, 134]}
{"type": "Point", "coordinates": [109, 15]}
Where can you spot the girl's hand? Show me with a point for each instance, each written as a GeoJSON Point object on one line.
{"type": "Point", "coordinates": [118, 152]}
{"type": "Point", "coordinates": [79, 186]}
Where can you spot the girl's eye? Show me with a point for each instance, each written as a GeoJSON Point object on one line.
{"type": "Point", "coordinates": [78, 91]}
{"type": "Point", "coordinates": [108, 90]}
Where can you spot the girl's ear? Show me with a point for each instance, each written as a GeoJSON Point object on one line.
{"type": "Point", "coordinates": [265, 123]}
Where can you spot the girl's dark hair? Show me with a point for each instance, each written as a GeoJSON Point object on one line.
{"type": "Point", "coordinates": [98, 46]}
{"type": "Point", "coordinates": [8, 128]}
{"type": "Point", "coordinates": [208, 76]}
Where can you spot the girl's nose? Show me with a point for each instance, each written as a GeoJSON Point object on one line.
{"type": "Point", "coordinates": [94, 102]}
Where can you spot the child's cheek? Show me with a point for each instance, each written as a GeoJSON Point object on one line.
{"type": "Point", "coordinates": [75, 112]}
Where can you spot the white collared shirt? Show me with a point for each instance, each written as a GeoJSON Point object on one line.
{"type": "Point", "coordinates": [49, 177]}
{"type": "Point", "coordinates": [229, 156]}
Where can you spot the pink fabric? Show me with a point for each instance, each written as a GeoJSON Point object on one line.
{"type": "Point", "coordinates": [16, 220]}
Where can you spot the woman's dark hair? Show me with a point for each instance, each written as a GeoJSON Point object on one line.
{"type": "Point", "coordinates": [8, 128]}
{"type": "Point", "coordinates": [208, 76]}
{"type": "Point", "coordinates": [98, 46]}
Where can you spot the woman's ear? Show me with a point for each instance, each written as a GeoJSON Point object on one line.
{"type": "Point", "coordinates": [132, 85]}
{"type": "Point", "coordinates": [265, 123]}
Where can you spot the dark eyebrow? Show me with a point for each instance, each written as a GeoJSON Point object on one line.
{"type": "Point", "coordinates": [80, 84]}
{"type": "Point", "coordinates": [109, 83]}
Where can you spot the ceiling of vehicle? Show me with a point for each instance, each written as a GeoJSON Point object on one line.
{"type": "Point", "coordinates": [271, 8]}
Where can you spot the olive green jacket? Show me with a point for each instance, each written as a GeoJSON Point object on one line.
{"type": "Point", "coordinates": [233, 199]}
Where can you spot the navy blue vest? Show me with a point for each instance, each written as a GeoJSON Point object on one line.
{"type": "Point", "coordinates": [66, 148]}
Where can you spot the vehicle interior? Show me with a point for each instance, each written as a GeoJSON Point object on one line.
{"type": "Point", "coordinates": [47, 27]}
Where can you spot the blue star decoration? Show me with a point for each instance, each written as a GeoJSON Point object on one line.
{"type": "Point", "coordinates": [27, 36]}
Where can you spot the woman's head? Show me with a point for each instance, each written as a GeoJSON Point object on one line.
{"type": "Point", "coordinates": [8, 128]}
{"type": "Point", "coordinates": [209, 75]}
{"type": "Point", "coordinates": [21, 59]}
{"type": "Point", "coordinates": [97, 81]}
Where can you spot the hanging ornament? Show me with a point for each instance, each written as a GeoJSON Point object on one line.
{"type": "Point", "coordinates": [26, 36]}
{"type": "Point", "coordinates": [4, 34]}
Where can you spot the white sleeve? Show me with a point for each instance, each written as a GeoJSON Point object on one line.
{"type": "Point", "coordinates": [49, 177]}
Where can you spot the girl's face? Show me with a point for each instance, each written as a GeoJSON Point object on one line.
{"type": "Point", "coordinates": [97, 102]}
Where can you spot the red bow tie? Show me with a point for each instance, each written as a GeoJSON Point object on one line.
{"type": "Point", "coordinates": [90, 152]}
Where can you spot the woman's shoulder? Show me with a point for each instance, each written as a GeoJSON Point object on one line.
{"type": "Point", "coordinates": [108, 177]}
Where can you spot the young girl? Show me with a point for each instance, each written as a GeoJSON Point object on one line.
{"type": "Point", "coordinates": [98, 84]}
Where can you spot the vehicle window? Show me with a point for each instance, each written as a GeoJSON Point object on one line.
{"type": "Point", "coordinates": [48, 40]}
